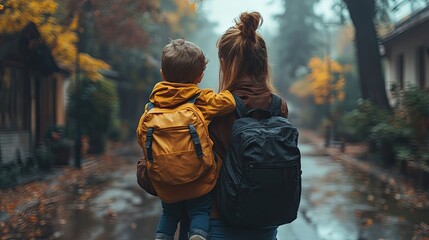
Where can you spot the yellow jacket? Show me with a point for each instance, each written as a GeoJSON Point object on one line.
{"type": "Point", "coordinates": [170, 95]}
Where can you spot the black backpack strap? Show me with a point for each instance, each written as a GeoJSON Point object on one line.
{"type": "Point", "coordinates": [148, 144]}
{"type": "Point", "coordinates": [196, 140]}
{"type": "Point", "coordinates": [240, 107]}
{"type": "Point", "coordinates": [276, 105]}
{"type": "Point", "coordinates": [193, 132]}
{"type": "Point", "coordinates": [194, 98]}
{"type": "Point", "coordinates": [150, 105]}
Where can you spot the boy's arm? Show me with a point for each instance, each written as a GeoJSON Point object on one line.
{"type": "Point", "coordinates": [212, 104]}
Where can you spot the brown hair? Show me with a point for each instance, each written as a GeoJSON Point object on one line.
{"type": "Point", "coordinates": [244, 52]}
{"type": "Point", "coordinates": [182, 61]}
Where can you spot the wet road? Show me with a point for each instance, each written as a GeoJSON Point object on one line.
{"type": "Point", "coordinates": [121, 212]}
{"type": "Point", "coordinates": [339, 202]}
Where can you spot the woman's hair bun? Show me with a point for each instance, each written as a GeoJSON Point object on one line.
{"type": "Point", "coordinates": [248, 23]}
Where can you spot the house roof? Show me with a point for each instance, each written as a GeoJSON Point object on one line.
{"type": "Point", "coordinates": [408, 23]}
{"type": "Point", "coordinates": [28, 48]}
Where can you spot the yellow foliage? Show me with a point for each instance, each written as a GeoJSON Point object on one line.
{"type": "Point", "coordinates": [194, 7]}
{"type": "Point", "coordinates": [183, 9]}
{"type": "Point", "coordinates": [19, 13]}
{"type": "Point", "coordinates": [325, 82]}
{"type": "Point", "coordinates": [61, 39]}
{"type": "Point", "coordinates": [91, 66]}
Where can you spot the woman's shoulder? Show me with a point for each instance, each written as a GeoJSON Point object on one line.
{"type": "Point", "coordinates": [284, 111]}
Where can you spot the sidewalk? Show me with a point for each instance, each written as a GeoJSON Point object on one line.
{"type": "Point", "coordinates": [27, 210]}
{"type": "Point", "coordinates": [354, 155]}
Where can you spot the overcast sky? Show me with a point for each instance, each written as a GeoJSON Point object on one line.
{"type": "Point", "coordinates": [223, 12]}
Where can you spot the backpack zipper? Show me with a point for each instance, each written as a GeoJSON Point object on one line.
{"type": "Point", "coordinates": [264, 126]}
{"type": "Point", "coordinates": [172, 128]}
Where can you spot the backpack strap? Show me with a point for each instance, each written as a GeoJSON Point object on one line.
{"type": "Point", "coordinates": [194, 98]}
{"type": "Point", "coordinates": [240, 106]}
{"type": "Point", "coordinates": [150, 105]}
{"type": "Point", "coordinates": [196, 140]}
{"type": "Point", "coordinates": [193, 131]}
{"type": "Point", "coordinates": [242, 110]}
{"type": "Point", "coordinates": [276, 105]}
{"type": "Point", "coordinates": [148, 144]}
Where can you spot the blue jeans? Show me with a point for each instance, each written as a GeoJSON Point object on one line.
{"type": "Point", "coordinates": [220, 231]}
{"type": "Point", "coordinates": [198, 211]}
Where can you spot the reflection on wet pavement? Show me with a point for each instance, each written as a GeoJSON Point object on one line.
{"type": "Point", "coordinates": [340, 202]}
{"type": "Point", "coordinates": [123, 211]}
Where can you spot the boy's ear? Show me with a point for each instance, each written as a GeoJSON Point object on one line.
{"type": "Point", "coordinates": [162, 75]}
{"type": "Point", "coordinates": [198, 80]}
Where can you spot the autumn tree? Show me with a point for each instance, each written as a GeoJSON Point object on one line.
{"type": "Point", "coordinates": [325, 82]}
{"type": "Point", "coordinates": [62, 39]}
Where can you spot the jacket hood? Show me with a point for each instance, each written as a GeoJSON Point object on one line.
{"type": "Point", "coordinates": [169, 94]}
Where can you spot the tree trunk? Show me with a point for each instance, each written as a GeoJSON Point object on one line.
{"type": "Point", "coordinates": [372, 83]}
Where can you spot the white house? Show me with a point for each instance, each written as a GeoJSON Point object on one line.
{"type": "Point", "coordinates": [406, 58]}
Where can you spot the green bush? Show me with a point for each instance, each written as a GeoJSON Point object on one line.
{"type": "Point", "coordinates": [357, 124]}
{"type": "Point", "coordinates": [414, 115]}
{"type": "Point", "coordinates": [384, 132]}
{"type": "Point", "coordinates": [43, 157]}
{"type": "Point", "coordinates": [416, 101]}
{"type": "Point", "coordinates": [402, 134]}
{"type": "Point", "coordinates": [98, 109]}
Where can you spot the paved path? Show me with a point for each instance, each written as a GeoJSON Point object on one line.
{"type": "Point", "coordinates": [339, 202]}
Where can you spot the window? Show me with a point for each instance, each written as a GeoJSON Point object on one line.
{"type": "Point", "coordinates": [12, 99]}
{"type": "Point", "coordinates": [400, 71]}
{"type": "Point", "coordinates": [421, 67]}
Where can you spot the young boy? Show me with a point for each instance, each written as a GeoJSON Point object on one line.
{"type": "Point", "coordinates": [182, 68]}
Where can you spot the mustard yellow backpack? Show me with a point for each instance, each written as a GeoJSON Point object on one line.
{"type": "Point", "coordinates": [178, 151]}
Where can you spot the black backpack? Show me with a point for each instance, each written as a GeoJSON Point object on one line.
{"type": "Point", "coordinates": [260, 180]}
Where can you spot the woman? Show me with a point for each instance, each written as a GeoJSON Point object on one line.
{"type": "Point", "coordinates": [245, 72]}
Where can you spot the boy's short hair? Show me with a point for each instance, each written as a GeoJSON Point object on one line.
{"type": "Point", "coordinates": [182, 61]}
